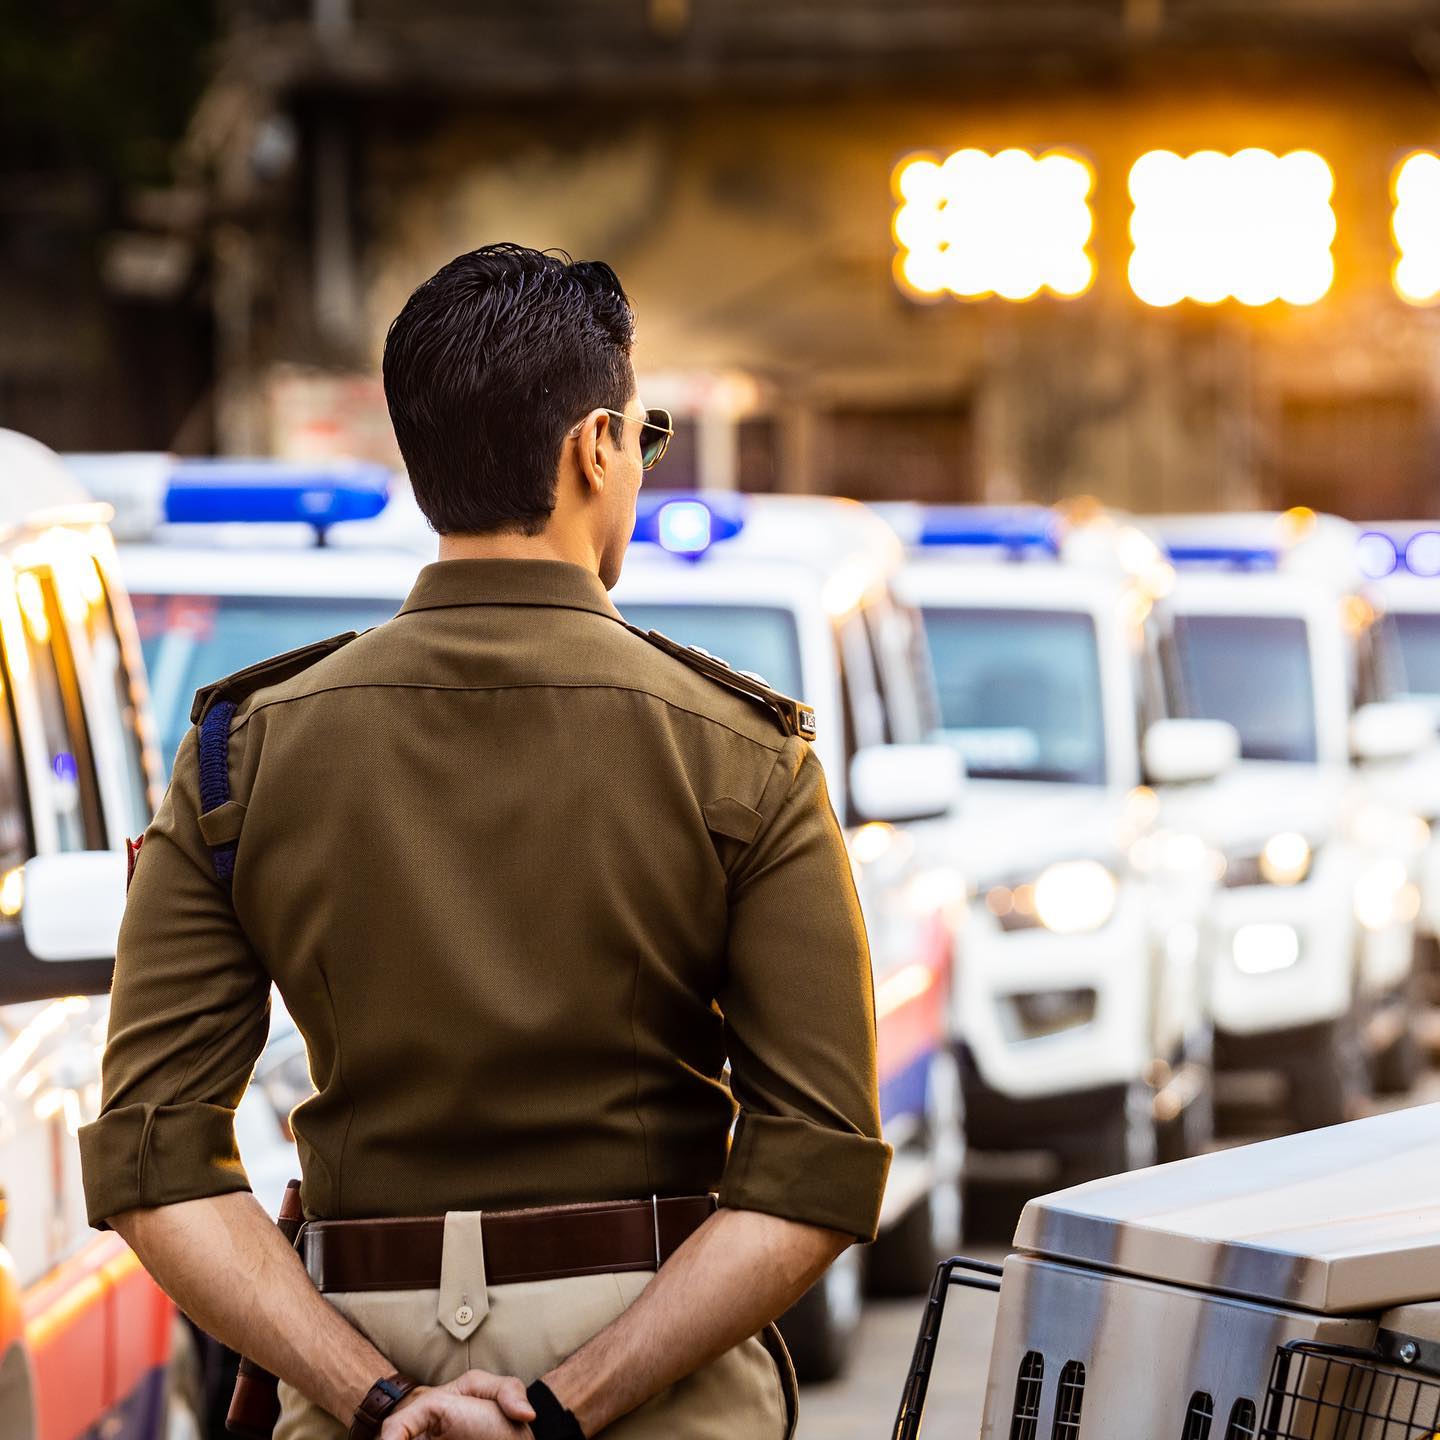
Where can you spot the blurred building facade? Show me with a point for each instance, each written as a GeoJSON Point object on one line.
{"type": "Point", "coordinates": [733, 160]}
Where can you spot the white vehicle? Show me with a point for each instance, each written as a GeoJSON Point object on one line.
{"type": "Point", "coordinates": [1402, 559]}
{"type": "Point", "coordinates": [1315, 917]}
{"type": "Point", "coordinates": [88, 1344]}
{"type": "Point", "coordinates": [792, 581]}
{"type": "Point", "coordinates": [1085, 1032]}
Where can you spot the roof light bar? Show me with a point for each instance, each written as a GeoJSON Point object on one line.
{"type": "Point", "coordinates": [1028, 527]}
{"type": "Point", "coordinates": [1379, 553]}
{"type": "Point", "coordinates": [688, 525]}
{"type": "Point", "coordinates": [210, 492]}
{"type": "Point", "coordinates": [1235, 557]}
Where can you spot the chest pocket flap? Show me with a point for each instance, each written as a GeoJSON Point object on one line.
{"type": "Point", "coordinates": [733, 819]}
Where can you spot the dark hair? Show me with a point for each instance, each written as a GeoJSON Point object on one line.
{"type": "Point", "coordinates": [488, 365]}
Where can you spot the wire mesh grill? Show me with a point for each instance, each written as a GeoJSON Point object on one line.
{"type": "Point", "coordinates": [1026, 1415]}
{"type": "Point", "coordinates": [1068, 1400]}
{"type": "Point", "coordinates": [1330, 1394]}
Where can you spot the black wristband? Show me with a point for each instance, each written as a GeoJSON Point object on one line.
{"type": "Point", "coordinates": [552, 1420]}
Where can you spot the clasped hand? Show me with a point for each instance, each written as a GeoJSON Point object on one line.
{"type": "Point", "coordinates": [477, 1406]}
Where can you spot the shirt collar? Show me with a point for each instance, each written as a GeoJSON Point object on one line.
{"type": "Point", "coordinates": [446, 583]}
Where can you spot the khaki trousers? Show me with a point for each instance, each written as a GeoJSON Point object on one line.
{"type": "Point", "coordinates": [528, 1329]}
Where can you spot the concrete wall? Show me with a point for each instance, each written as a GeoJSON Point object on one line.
{"type": "Point", "coordinates": [755, 239]}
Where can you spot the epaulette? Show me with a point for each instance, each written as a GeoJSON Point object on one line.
{"type": "Point", "coordinates": [243, 683]}
{"type": "Point", "coordinates": [795, 717]}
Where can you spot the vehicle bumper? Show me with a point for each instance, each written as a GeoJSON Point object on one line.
{"type": "Point", "coordinates": [1045, 1015]}
{"type": "Point", "coordinates": [996, 1121]}
{"type": "Point", "coordinates": [1257, 989]}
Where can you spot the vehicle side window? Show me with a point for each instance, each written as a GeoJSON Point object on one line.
{"type": "Point", "coordinates": [1366, 682]}
{"type": "Point", "coordinates": [864, 704]}
{"type": "Point", "coordinates": [15, 843]}
{"type": "Point", "coordinates": [1150, 693]}
{"type": "Point", "coordinates": [71, 794]}
{"type": "Point", "coordinates": [113, 681]}
{"type": "Point", "coordinates": [897, 638]}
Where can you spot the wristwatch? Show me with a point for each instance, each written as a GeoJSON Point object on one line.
{"type": "Point", "coordinates": [380, 1399]}
{"type": "Point", "coordinates": [552, 1420]}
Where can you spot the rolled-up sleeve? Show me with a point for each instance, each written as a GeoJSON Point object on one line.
{"type": "Point", "coordinates": [189, 1016]}
{"type": "Point", "coordinates": [798, 1002]}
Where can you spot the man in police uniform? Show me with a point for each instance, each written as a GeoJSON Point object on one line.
{"type": "Point", "coordinates": [526, 879]}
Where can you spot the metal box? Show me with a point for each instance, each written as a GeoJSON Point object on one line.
{"type": "Point", "coordinates": [1265, 1291]}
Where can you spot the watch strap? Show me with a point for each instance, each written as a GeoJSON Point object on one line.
{"type": "Point", "coordinates": [380, 1400]}
{"type": "Point", "coordinates": [552, 1420]}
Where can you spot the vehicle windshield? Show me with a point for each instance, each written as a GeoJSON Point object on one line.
{"type": "Point", "coordinates": [1411, 653]}
{"type": "Point", "coordinates": [1019, 692]}
{"type": "Point", "coordinates": [190, 640]}
{"type": "Point", "coordinates": [1253, 671]}
{"type": "Point", "coordinates": [760, 638]}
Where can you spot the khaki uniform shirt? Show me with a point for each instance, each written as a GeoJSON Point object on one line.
{"type": "Point", "coordinates": [526, 882]}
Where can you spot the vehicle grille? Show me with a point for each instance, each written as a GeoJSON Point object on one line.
{"type": "Point", "coordinates": [1026, 1416]}
{"type": "Point", "coordinates": [1198, 1415]}
{"type": "Point", "coordinates": [1070, 1397]}
{"type": "Point", "coordinates": [1241, 871]}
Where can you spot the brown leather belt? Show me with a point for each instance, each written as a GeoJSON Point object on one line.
{"type": "Point", "coordinates": [550, 1243]}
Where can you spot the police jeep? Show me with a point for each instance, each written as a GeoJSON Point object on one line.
{"type": "Point", "coordinates": [1401, 560]}
{"type": "Point", "coordinates": [89, 1345]}
{"type": "Point", "coordinates": [225, 567]}
{"type": "Point", "coordinates": [1086, 1032]}
{"type": "Point", "coordinates": [1315, 917]}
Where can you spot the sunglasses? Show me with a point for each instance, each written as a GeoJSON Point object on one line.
{"type": "Point", "coordinates": [656, 430]}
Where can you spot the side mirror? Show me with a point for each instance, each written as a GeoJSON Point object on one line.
{"type": "Point", "coordinates": [1182, 752]}
{"type": "Point", "coordinates": [891, 783]}
{"type": "Point", "coordinates": [1390, 730]}
{"type": "Point", "coordinates": [73, 905]}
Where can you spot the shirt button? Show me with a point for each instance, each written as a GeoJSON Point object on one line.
{"type": "Point", "coordinates": [464, 1315]}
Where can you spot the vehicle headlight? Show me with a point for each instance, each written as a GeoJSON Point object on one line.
{"type": "Point", "coordinates": [1384, 895]}
{"type": "Point", "coordinates": [1073, 896]}
{"type": "Point", "coordinates": [1262, 949]}
{"type": "Point", "coordinates": [1285, 858]}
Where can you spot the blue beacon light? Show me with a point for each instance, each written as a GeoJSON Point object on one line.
{"type": "Point", "coordinates": [1422, 553]}
{"type": "Point", "coordinates": [1238, 557]}
{"type": "Point", "coordinates": [1377, 555]}
{"type": "Point", "coordinates": [687, 526]}
{"type": "Point", "coordinates": [208, 492]}
{"type": "Point", "coordinates": [1018, 530]}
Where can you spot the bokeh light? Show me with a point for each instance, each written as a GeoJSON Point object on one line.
{"type": "Point", "coordinates": [1253, 226]}
{"type": "Point", "coordinates": [1011, 224]}
{"type": "Point", "coordinates": [1415, 224]}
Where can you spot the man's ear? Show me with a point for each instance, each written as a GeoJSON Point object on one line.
{"type": "Point", "coordinates": [593, 450]}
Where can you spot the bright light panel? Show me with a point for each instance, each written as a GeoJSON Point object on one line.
{"type": "Point", "coordinates": [1010, 224]}
{"type": "Point", "coordinates": [1416, 227]}
{"type": "Point", "coordinates": [1252, 226]}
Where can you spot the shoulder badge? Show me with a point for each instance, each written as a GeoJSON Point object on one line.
{"type": "Point", "coordinates": [243, 683]}
{"type": "Point", "coordinates": [795, 717]}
